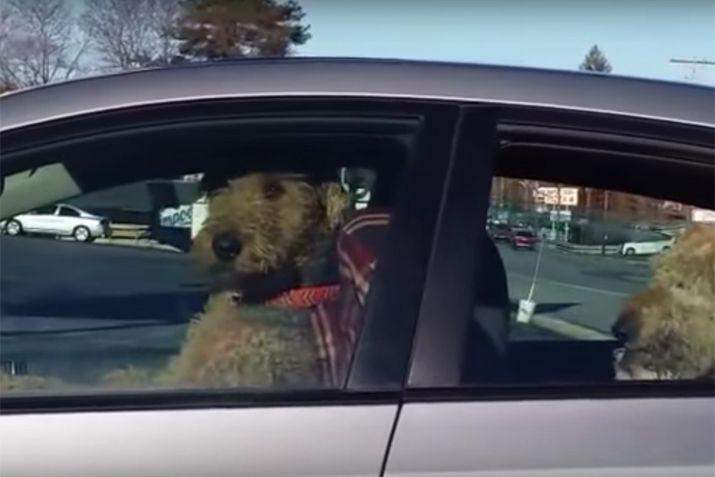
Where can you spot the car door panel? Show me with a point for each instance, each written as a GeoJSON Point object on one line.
{"type": "Point", "coordinates": [286, 436]}
{"type": "Point", "coordinates": [37, 222]}
{"type": "Point", "coordinates": [66, 222]}
{"type": "Point", "coordinates": [509, 425]}
{"type": "Point", "coordinates": [267, 441]}
{"type": "Point", "coordinates": [50, 223]}
{"type": "Point", "coordinates": [555, 437]}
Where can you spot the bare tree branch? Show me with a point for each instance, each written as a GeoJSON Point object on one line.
{"type": "Point", "coordinates": [131, 33]}
{"type": "Point", "coordinates": [39, 42]}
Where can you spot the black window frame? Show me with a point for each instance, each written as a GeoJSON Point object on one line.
{"type": "Point", "coordinates": [378, 371]}
{"type": "Point", "coordinates": [435, 371]}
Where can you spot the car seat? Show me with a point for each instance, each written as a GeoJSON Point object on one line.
{"type": "Point", "coordinates": [488, 331]}
{"type": "Point", "coordinates": [337, 322]}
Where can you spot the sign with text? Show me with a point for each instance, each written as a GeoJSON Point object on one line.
{"type": "Point", "coordinates": [569, 196]}
{"type": "Point", "coordinates": [556, 196]}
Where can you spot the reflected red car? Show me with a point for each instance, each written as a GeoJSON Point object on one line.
{"type": "Point", "coordinates": [523, 239]}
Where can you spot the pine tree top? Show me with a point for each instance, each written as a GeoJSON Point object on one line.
{"type": "Point", "coordinates": [595, 60]}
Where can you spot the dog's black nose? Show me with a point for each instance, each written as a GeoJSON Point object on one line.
{"type": "Point", "coordinates": [226, 246]}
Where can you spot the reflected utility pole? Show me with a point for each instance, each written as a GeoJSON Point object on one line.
{"type": "Point", "coordinates": [693, 65]}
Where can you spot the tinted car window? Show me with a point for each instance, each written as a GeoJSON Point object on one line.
{"type": "Point", "coordinates": [50, 210]}
{"type": "Point", "coordinates": [249, 276]}
{"type": "Point", "coordinates": [68, 212]}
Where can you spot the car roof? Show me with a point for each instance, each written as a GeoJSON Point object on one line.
{"type": "Point", "coordinates": [345, 77]}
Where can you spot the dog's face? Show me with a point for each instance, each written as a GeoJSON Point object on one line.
{"type": "Point", "coordinates": [262, 225]}
{"type": "Point", "coordinates": [668, 330]}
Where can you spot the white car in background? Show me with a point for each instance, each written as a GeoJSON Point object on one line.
{"type": "Point", "coordinates": [60, 220]}
{"type": "Point", "coordinates": [648, 247]}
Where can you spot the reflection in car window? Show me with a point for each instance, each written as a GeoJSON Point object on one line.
{"type": "Point", "coordinates": [208, 280]}
{"type": "Point", "coordinates": [619, 287]}
{"type": "Point", "coordinates": [46, 210]}
{"type": "Point", "coordinates": [68, 212]}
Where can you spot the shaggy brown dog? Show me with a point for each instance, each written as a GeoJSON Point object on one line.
{"type": "Point", "coordinates": [669, 329]}
{"type": "Point", "coordinates": [265, 234]}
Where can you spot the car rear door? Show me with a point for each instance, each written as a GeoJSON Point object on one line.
{"type": "Point", "coordinates": [343, 430]}
{"type": "Point", "coordinates": [548, 405]}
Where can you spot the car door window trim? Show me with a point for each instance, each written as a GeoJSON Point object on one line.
{"type": "Point", "coordinates": [444, 315]}
{"type": "Point", "coordinates": [516, 392]}
{"type": "Point", "coordinates": [191, 399]}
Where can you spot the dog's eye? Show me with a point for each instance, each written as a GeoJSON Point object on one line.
{"type": "Point", "coordinates": [226, 246]}
{"type": "Point", "coordinates": [272, 190]}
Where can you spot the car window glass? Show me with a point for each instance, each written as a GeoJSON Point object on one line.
{"type": "Point", "coordinates": [602, 285]}
{"type": "Point", "coordinates": [45, 210]}
{"type": "Point", "coordinates": [67, 212]}
{"type": "Point", "coordinates": [251, 279]}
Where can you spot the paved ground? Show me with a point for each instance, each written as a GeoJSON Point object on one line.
{"type": "Point", "coordinates": [103, 306]}
{"type": "Point", "coordinates": [583, 290]}
{"type": "Point", "coordinates": [132, 301]}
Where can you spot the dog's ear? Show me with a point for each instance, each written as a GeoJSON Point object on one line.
{"type": "Point", "coordinates": [336, 203]}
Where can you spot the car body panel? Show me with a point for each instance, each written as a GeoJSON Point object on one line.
{"type": "Point", "coordinates": [363, 78]}
{"type": "Point", "coordinates": [273, 441]}
{"type": "Point", "coordinates": [479, 437]}
{"type": "Point", "coordinates": [435, 439]}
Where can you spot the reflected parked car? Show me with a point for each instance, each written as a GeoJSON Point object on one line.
{"type": "Point", "coordinates": [500, 232]}
{"type": "Point", "coordinates": [648, 246]}
{"type": "Point", "coordinates": [61, 220]}
{"type": "Point", "coordinates": [523, 239]}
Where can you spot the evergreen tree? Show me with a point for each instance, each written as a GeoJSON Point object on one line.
{"type": "Point", "coordinates": [216, 29]}
{"type": "Point", "coordinates": [595, 60]}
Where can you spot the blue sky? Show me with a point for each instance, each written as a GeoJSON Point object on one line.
{"type": "Point", "coordinates": [639, 37]}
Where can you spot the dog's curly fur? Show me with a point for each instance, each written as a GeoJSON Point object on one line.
{"type": "Point", "coordinates": [670, 326]}
{"type": "Point", "coordinates": [247, 346]}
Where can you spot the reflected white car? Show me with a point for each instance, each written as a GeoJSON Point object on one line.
{"type": "Point", "coordinates": [650, 247]}
{"type": "Point", "coordinates": [60, 220]}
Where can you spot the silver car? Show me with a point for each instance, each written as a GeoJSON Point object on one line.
{"type": "Point", "coordinates": [61, 220]}
{"type": "Point", "coordinates": [442, 380]}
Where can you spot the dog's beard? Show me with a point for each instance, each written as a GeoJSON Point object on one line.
{"type": "Point", "coordinates": [627, 370]}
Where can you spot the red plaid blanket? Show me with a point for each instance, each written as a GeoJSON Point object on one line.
{"type": "Point", "coordinates": [337, 321]}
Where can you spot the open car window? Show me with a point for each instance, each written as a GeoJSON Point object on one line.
{"type": "Point", "coordinates": [599, 248]}
{"type": "Point", "coordinates": [601, 286]}
{"type": "Point", "coordinates": [591, 262]}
